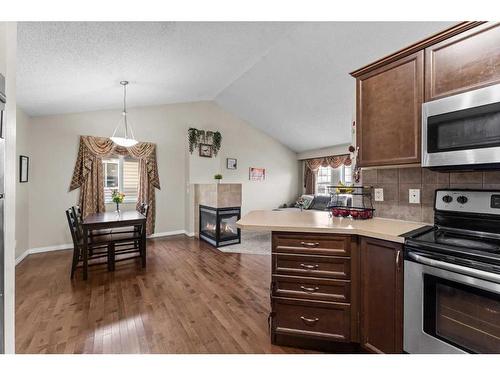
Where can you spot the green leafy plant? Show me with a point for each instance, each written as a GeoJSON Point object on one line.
{"type": "Point", "coordinates": [117, 196]}
{"type": "Point", "coordinates": [218, 177]}
{"type": "Point", "coordinates": [193, 139]}
{"type": "Point", "coordinates": [216, 142]}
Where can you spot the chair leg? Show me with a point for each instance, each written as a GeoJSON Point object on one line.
{"type": "Point", "coordinates": [74, 263]}
{"type": "Point", "coordinates": [111, 256]}
{"type": "Point", "coordinates": [142, 244]}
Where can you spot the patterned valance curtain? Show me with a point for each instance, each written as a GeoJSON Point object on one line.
{"type": "Point", "coordinates": [88, 174]}
{"type": "Point", "coordinates": [312, 165]}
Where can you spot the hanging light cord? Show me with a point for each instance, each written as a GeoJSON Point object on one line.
{"type": "Point", "coordinates": [124, 113]}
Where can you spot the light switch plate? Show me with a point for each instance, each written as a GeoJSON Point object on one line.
{"type": "Point", "coordinates": [379, 195]}
{"type": "Point", "coordinates": [414, 196]}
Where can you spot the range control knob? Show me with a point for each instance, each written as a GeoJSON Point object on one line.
{"type": "Point", "coordinates": [447, 198]}
{"type": "Point", "coordinates": [462, 199]}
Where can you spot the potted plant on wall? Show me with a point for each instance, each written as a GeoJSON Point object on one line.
{"type": "Point", "coordinates": [218, 177]}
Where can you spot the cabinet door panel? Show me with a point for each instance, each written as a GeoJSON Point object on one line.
{"type": "Point", "coordinates": [388, 112]}
{"type": "Point", "coordinates": [381, 296]}
{"type": "Point", "coordinates": [467, 61]}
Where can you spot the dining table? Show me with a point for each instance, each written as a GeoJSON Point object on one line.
{"type": "Point", "coordinates": [111, 220]}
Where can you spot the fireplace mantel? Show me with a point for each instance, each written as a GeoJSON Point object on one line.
{"type": "Point", "coordinates": [216, 196]}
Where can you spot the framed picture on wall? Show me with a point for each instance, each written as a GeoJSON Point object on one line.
{"type": "Point", "coordinates": [231, 163]}
{"type": "Point", "coordinates": [24, 164]}
{"type": "Point", "coordinates": [205, 150]}
{"type": "Point", "coordinates": [257, 174]}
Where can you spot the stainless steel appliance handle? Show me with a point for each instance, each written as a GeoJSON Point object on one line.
{"type": "Point", "coordinates": [456, 268]}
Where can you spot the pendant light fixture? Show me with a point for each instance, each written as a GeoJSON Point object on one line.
{"type": "Point", "coordinates": [128, 139]}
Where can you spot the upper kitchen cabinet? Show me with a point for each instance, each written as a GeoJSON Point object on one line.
{"type": "Point", "coordinates": [388, 112]}
{"type": "Point", "coordinates": [466, 61]}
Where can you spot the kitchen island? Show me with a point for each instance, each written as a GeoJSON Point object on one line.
{"type": "Point", "coordinates": [337, 283]}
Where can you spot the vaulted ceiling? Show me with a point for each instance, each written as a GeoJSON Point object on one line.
{"type": "Point", "coordinates": [288, 79]}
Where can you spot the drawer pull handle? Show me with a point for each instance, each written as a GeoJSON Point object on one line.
{"type": "Point", "coordinates": [310, 244]}
{"type": "Point", "coordinates": [309, 321]}
{"type": "Point", "coordinates": [309, 266]}
{"type": "Point", "coordinates": [310, 290]}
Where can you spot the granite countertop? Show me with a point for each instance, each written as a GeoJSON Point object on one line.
{"type": "Point", "coordinates": [320, 222]}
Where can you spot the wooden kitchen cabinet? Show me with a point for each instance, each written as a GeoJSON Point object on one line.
{"type": "Point", "coordinates": [464, 62]}
{"type": "Point", "coordinates": [388, 112]}
{"type": "Point", "coordinates": [381, 309]}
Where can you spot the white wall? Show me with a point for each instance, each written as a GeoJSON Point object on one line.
{"type": "Point", "coordinates": [53, 145]}
{"type": "Point", "coordinates": [8, 49]}
{"type": "Point", "coordinates": [22, 189]}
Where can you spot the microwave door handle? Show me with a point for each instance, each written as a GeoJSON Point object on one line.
{"type": "Point", "coordinates": [455, 268]}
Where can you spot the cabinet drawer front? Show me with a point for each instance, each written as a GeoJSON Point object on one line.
{"type": "Point", "coordinates": [323, 320]}
{"type": "Point", "coordinates": [312, 288]}
{"type": "Point", "coordinates": [304, 243]}
{"type": "Point", "coordinates": [314, 266]}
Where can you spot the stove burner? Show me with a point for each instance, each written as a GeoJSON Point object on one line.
{"type": "Point", "coordinates": [465, 241]}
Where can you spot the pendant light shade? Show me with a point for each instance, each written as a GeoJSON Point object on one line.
{"type": "Point", "coordinates": [128, 139]}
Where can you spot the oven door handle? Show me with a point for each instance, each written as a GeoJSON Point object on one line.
{"type": "Point", "coordinates": [455, 268]}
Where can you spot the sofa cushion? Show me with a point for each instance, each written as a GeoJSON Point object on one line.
{"type": "Point", "coordinates": [320, 202]}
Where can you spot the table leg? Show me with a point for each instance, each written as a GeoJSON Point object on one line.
{"type": "Point", "coordinates": [85, 253]}
{"type": "Point", "coordinates": [143, 245]}
{"type": "Point", "coordinates": [111, 256]}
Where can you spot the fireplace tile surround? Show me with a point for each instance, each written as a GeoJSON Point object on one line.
{"type": "Point", "coordinates": [397, 181]}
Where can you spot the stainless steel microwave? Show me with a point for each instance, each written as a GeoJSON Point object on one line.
{"type": "Point", "coordinates": [462, 130]}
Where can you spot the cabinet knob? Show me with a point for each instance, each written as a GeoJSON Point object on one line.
{"type": "Point", "coordinates": [309, 266]}
{"type": "Point", "coordinates": [310, 290]}
{"type": "Point", "coordinates": [309, 320]}
{"type": "Point", "coordinates": [310, 244]}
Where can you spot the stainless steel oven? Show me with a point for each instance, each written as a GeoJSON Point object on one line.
{"type": "Point", "coordinates": [450, 308]}
{"type": "Point", "coordinates": [452, 276]}
{"type": "Point", "coordinates": [462, 130]}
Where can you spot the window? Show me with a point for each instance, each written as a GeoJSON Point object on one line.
{"type": "Point", "coordinates": [332, 176]}
{"type": "Point", "coordinates": [121, 174]}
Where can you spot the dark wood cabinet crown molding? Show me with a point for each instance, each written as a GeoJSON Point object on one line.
{"type": "Point", "coordinates": [433, 39]}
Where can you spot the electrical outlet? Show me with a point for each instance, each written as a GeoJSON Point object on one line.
{"type": "Point", "coordinates": [414, 196]}
{"type": "Point", "coordinates": [379, 195]}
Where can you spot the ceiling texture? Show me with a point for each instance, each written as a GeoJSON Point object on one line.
{"type": "Point", "coordinates": [291, 80]}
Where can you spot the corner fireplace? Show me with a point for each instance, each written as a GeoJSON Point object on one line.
{"type": "Point", "coordinates": [218, 225]}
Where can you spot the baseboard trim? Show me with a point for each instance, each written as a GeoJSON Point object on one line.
{"type": "Point", "coordinates": [47, 249]}
{"type": "Point", "coordinates": [21, 257]}
{"type": "Point", "coordinates": [166, 234]}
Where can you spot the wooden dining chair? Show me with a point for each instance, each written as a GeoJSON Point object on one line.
{"type": "Point", "coordinates": [98, 246]}
{"type": "Point", "coordinates": [129, 240]}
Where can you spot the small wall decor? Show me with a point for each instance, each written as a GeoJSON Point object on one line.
{"type": "Point", "coordinates": [257, 174]}
{"type": "Point", "coordinates": [205, 150]}
{"type": "Point", "coordinates": [231, 163]}
{"type": "Point", "coordinates": [207, 137]}
{"type": "Point", "coordinates": [24, 163]}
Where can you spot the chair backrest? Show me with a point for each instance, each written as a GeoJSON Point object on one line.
{"type": "Point", "coordinates": [77, 212]}
{"type": "Point", "coordinates": [144, 209]}
{"type": "Point", "coordinates": [73, 226]}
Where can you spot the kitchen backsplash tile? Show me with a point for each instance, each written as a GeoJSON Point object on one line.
{"type": "Point", "coordinates": [397, 181]}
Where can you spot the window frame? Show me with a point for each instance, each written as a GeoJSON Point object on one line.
{"type": "Point", "coordinates": [342, 175]}
{"type": "Point", "coordinates": [121, 161]}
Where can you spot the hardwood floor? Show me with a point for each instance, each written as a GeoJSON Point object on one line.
{"type": "Point", "coordinates": [191, 298]}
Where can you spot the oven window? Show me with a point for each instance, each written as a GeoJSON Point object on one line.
{"type": "Point", "coordinates": [463, 316]}
{"type": "Point", "coordinates": [477, 127]}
